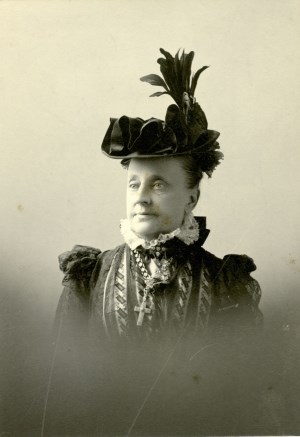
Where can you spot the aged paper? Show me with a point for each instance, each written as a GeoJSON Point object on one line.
{"type": "Point", "coordinates": [66, 68]}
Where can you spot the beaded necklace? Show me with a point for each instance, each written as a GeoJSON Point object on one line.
{"type": "Point", "coordinates": [162, 275]}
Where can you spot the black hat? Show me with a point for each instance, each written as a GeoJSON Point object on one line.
{"type": "Point", "coordinates": [184, 130]}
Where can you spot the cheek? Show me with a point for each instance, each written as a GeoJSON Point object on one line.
{"type": "Point", "coordinates": [175, 205]}
{"type": "Point", "coordinates": [172, 211]}
{"type": "Point", "coordinates": [129, 199]}
{"type": "Point", "coordinates": [167, 220]}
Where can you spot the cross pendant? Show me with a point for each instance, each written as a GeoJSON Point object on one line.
{"type": "Point", "coordinates": [142, 311]}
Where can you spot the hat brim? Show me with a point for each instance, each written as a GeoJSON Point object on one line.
{"type": "Point", "coordinates": [202, 144]}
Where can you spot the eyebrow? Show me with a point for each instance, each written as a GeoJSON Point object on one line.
{"type": "Point", "coordinates": [133, 177]}
{"type": "Point", "coordinates": [151, 178]}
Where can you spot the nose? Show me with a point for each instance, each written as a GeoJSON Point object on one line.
{"type": "Point", "coordinates": [143, 195]}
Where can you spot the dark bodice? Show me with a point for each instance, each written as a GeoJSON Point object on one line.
{"type": "Point", "coordinates": [105, 290]}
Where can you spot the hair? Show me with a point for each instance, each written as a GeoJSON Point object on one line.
{"type": "Point", "coordinates": [190, 165]}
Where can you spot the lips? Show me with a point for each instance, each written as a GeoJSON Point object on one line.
{"type": "Point", "coordinates": [143, 213]}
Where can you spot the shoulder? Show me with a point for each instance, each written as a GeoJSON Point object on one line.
{"type": "Point", "coordinates": [82, 263]}
{"type": "Point", "coordinates": [231, 267]}
{"type": "Point", "coordinates": [236, 274]}
{"type": "Point", "coordinates": [81, 267]}
{"type": "Point", "coordinates": [78, 263]}
{"type": "Point", "coordinates": [239, 264]}
{"type": "Point", "coordinates": [234, 287]}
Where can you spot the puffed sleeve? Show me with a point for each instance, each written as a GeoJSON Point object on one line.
{"type": "Point", "coordinates": [237, 293]}
{"type": "Point", "coordinates": [73, 307]}
{"type": "Point", "coordinates": [77, 266]}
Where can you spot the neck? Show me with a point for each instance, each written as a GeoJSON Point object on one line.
{"type": "Point", "coordinates": [188, 233]}
{"type": "Point", "coordinates": [151, 237]}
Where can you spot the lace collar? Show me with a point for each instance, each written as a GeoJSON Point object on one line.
{"type": "Point", "coordinates": [188, 233]}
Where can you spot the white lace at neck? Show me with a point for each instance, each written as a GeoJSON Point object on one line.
{"type": "Point", "coordinates": [188, 233]}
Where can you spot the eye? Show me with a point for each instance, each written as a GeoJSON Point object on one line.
{"type": "Point", "coordinates": [133, 185]}
{"type": "Point", "coordinates": [158, 185]}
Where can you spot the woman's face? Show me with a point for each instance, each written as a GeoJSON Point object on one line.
{"type": "Point", "coordinates": [157, 196]}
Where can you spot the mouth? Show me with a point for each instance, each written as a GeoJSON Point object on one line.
{"type": "Point", "coordinates": [144, 214]}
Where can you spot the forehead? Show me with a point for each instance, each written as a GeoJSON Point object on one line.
{"type": "Point", "coordinates": [166, 167]}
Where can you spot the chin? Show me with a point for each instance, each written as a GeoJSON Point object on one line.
{"type": "Point", "coordinates": [145, 230]}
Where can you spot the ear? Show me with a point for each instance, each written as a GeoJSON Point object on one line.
{"type": "Point", "coordinates": [193, 199]}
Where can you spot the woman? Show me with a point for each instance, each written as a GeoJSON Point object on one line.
{"type": "Point", "coordinates": [160, 281]}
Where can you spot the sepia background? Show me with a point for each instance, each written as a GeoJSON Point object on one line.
{"type": "Point", "coordinates": [68, 66]}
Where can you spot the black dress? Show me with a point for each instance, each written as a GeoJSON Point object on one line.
{"type": "Point", "coordinates": [204, 293]}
